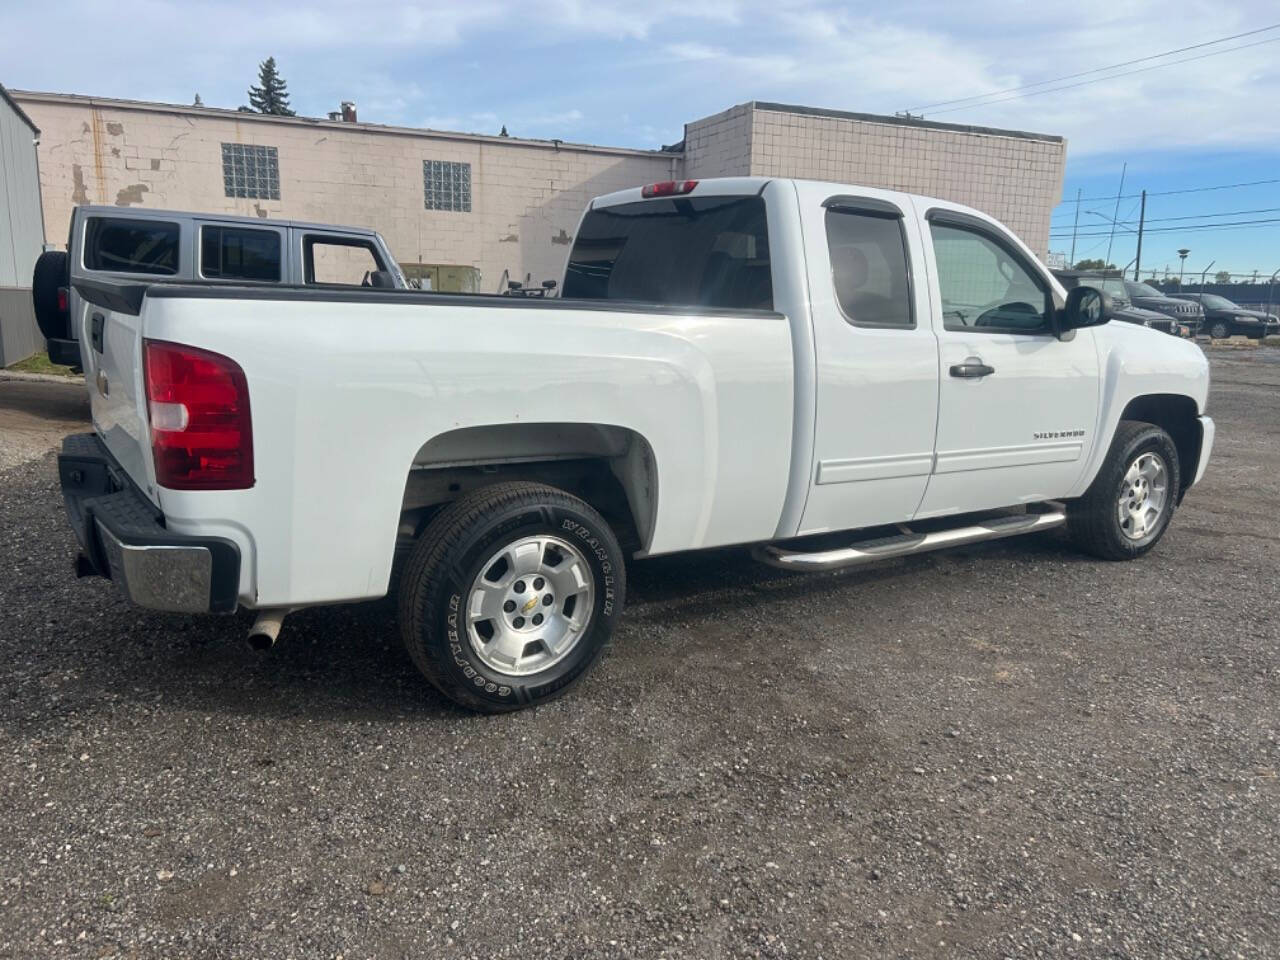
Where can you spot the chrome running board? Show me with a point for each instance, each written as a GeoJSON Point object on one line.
{"type": "Point", "coordinates": [906, 543]}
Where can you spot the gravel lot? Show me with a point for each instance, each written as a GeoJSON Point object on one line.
{"type": "Point", "coordinates": [1007, 750]}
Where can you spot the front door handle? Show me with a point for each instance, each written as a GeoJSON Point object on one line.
{"type": "Point", "coordinates": [971, 369]}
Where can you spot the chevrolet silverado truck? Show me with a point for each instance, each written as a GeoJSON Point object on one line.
{"type": "Point", "coordinates": [828, 373]}
{"type": "Point", "coordinates": [175, 246]}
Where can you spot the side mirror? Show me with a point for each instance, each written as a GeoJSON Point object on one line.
{"type": "Point", "coordinates": [1086, 307]}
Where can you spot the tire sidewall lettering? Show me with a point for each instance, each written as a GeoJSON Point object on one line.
{"type": "Point", "coordinates": [524, 521]}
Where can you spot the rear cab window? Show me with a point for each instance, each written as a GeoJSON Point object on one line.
{"type": "Point", "coordinates": [339, 261]}
{"type": "Point", "coordinates": [240, 253]}
{"type": "Point", "coordinates": [125, 245]}
{"type": "Point", "coordinates": [683, 251]}
{"type": "Point", "coordinates": [869, 267]}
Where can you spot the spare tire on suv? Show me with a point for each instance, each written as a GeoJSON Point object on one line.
{"type": "Point", "coordinates": [51, 272]}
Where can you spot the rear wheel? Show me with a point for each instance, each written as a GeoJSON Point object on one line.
{"type": "Point", "coordinates": [1127, 508]}
{"type": "Point", "coordinates": [511, 595]}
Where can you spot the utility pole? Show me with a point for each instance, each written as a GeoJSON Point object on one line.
{"type": "Point", "coordinates": [1115, 216]}
{"type": "Point", "coordinates": [1074, 227]}
{"type": "Point", "coordinates": [1142, 219]}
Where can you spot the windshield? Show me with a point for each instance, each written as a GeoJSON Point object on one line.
{"type": "Point", "coordinates": [703, 251]}
{"type": "Point", "coordinates": [1111, 286]}
{"type": "Point", "coordinates": [1142, 290]}
{"type": "Point", "coordinates": [1217, 303]}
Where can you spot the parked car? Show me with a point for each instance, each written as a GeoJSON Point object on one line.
{"type": "Point", "coordinates": [175, 247]}
{"type": "Point", "coordinates": [1222, 318]}
{"type": "Point", "coordinates": [737, 361]}
{"type": "Point", "coordinates": [1122, 309]}
{"type": "Point", "coordinates": [1149, 298]}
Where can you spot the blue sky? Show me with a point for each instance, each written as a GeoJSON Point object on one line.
{"type": "Point", "coordinates": [631, 74]}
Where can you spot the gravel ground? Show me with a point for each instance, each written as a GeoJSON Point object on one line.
{"type": "Point", "coordinates": [1006, 750]}
{"type": "Point", "coordinates": [36, 413]}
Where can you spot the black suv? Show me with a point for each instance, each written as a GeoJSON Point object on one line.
{"type": "Point", "coordinates": [1122, 308]}
{"type": "Point", "coordinates": [1149, 298]}
{"type": "Point", "coordinates": [1222, 318]}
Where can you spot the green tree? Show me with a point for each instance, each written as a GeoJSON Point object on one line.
{"type": "Point", "coordinates": [271, 95]}
{"type": "Point", "coordinates": [1222, 276]}
{"type": "Point", "coordinates": [1095, 265]}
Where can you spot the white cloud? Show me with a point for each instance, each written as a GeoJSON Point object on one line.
{"type": "Point", "coordinates": [578, 65]}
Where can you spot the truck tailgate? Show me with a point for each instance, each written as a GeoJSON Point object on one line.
{"type": "Point", "coordinates": [111, 335]}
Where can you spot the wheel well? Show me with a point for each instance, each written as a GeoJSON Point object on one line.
{"type": "Point", "coordinates": [1177, 416]}
{"type": "Point", "coordinates": [611, 468]}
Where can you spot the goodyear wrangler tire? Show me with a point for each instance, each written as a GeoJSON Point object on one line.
{"type": "Point", "coordinates": [511, 595]}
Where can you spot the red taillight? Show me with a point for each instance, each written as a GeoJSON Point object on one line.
{"type": "Point", "coordinates": [198, 407]}
{"type": "Point", "coordinates": [62, 299]}
{"type": "Point", "coordinates": [668, 188]}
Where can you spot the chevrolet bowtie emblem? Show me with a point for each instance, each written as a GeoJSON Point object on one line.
{"type": "Point", "coordinates": [529, 605]}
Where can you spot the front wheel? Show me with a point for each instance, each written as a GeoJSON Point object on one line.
{"type": "Point", "coordinates": [1127, 508]}
{"type": "Point", "coordinates": [511, 595]}
{"type": "Point", "coordinates": [1218, 330]}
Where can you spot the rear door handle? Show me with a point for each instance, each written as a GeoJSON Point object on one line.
{"type": "Point", "coordinates": [971, 369]}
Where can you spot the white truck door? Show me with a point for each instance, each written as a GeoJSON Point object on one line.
{"type": "Point", "coordinates": [1017, 406]}
{"type": "Point", "coordinates": [876, 358]}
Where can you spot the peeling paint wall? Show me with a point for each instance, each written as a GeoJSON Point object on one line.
{"type": "Point", "coordinates": [526, 198]}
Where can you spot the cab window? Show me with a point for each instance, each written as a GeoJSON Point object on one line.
{"type": "Point", "coordinates": [239, 253]}
{"type": "Point", "coordinates": [985, 285]}
{"type": "Point", "coordinates": [121, 245]}
{"type": "Point", "coordinates": [869, 268]}
{"type": "Point", "coordinates": [339, 261]}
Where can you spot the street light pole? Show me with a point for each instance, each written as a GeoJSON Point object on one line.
{"type": "Point", "coordinates": [1074, 227]}
{"type": "Point", "coordinates": [1116, 215]}
{"type": "Point", "coordinates": [1182, 255]}
{"type": "Point", "coordinates": [1142, 219]}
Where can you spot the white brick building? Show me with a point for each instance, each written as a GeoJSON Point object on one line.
{"type": "Point", "coordinates": [470, 210]}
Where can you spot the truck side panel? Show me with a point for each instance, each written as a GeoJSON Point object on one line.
{"type": "Point", "coordinates": [344, 394]}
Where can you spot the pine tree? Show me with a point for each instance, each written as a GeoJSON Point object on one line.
{"type": "Point", "coordinates": [272, 93]}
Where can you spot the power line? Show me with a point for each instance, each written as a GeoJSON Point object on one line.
{"type": "Point", "coordinates": [1201, 216]}
{"type": "Point", "coordinates": [1114, 76]}
{"type": "Point", "coordinates": [1170, 193]}
{"type": "Point", "coordinates": [1188, 227]}
{"type": "Point", "coordinates": [1086, 73]}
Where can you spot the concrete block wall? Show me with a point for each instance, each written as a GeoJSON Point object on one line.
{"type": "Point", "coordinates": [720, 145]}
{"type": "Point", "coordinates": [1013, 176]}
{"type": "Point", "coordinates": [527, 196]}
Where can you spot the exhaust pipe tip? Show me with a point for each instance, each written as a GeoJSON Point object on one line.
{"type": "Point", "coordinates": [266, 629]}
{"type": "Point", "coordinates": [261, 642]}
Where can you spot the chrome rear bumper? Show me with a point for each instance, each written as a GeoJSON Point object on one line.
{"type": "Point", "coordinates": [123, 538]}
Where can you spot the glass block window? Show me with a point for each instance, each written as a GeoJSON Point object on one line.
{"type": "Point", "coordinates": [446, 185]}
{"type": "Point", "coordinates": [251, 171]}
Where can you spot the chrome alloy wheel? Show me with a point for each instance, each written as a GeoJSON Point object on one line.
{"type": "Point", "coordinates": [1144, 495]}
{"type": "Point", "coordinates": [529, 605]}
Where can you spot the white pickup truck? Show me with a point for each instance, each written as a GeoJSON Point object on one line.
{"type": "Point", "coordinates": [736, 361]}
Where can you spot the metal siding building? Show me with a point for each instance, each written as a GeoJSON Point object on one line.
{"type": "Point", "coordinates": [21, 231]}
